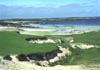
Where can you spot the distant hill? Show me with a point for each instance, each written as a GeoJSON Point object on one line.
{"type": "Point", "coordinates": [51, 19]}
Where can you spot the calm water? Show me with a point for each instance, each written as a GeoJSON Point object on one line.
{"type": "Point", "coordinates": [69, 25]}
{"type": "Point", "coordinates": [73, 22]}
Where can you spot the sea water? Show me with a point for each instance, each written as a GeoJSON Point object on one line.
{"type": "Point", "coordinates": [69, 26]}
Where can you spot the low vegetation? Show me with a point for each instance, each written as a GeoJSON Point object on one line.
{"type": "Point", "coordinates": [92, 38]}
{"type": "Point", "coordinates": [80, 56]}
{"type": "Point", "coordinates": [13, 43]}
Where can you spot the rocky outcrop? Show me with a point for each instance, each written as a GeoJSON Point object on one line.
{"type": "Point", "coordinates": [46, 56]}
{"type": "Point", "coordinates": [52, 54]}
{"type": "Point", "coordinates": [40, 40]}
{"type": "Point", "coordinates": [22, 57]}
{"type": "Point", "coordinates": [7, 58]}
{"type": "Point", "coordinates": [36, 57]}
{"type": "Point", "coordinates": [41, 59]}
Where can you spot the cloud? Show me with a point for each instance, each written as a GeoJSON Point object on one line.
{"type": "Point", "coordinates": [71, 10]}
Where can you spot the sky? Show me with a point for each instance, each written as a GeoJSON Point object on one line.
{"type": "Point", "coordinates": [48, 8]}
{"type": "Point", "coordinates": [46, 3]}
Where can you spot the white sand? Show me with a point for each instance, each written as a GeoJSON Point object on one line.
{"type": "Point", "coordinates": [48, 31]}
{"type": "Point", "coordinates": [10, 65]}
{"type": "Point", "coordinates": [81, 45]}
{"type": "Point", "coordinates": [61, 55]}
{"type": "Point", "coordinates": [34, 29]}
{"type": "Point", "coordinates": [42, 41]}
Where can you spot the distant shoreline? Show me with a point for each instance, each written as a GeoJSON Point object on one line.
{"type": "Point", "coordinates": [48, 19]}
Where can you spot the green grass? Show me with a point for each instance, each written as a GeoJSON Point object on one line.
{"type": "Point", "coordinates": [88, 38]}
{"type": "Point", "coordinates": [92, 38]}
{"type": "Point", "coordinates": [13, 43]}
{"type": "Point", "coordinates": [79, 56]}
{"type": "Point", "coordinates": [88, 56]}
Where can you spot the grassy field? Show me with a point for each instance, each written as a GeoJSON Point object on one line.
{"type": "Point", "coordinates": [88, 38]}
{"type": "Point", "coordinates": [13, 43]}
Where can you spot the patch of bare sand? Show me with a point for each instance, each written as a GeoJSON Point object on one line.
{"type": "Point", "coordinates": [81, 45]}
{"type": "Point", "coordinates": [9, 65]}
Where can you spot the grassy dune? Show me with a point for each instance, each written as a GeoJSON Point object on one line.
{"type": "Point", "coordinates": [80, 56]}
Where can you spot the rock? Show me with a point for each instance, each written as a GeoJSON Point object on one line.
{"type": "Point", "coordinates": [17, 32]}
{"type": "Point", "coordinates": [7, 58]}
{"type": "Point", "coordinates": [37, 57]}
{"type": "Point", "coordinates": [38, 38]}
{"type": "Point", "coordinates": [62, 41]}
{"type": "Point", "coordinates": [22, 57]}
{"type": "Point", "coordinates": [52, 54]}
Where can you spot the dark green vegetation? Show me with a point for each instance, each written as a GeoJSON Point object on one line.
{"type": "Point", "coordinates": [13, 43]}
